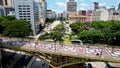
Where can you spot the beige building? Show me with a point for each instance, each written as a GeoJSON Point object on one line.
{"type": "Point", "coordinates": [114, 15]}
{"type": "Point", "coordinates": [8, 3]}
{"type": "Point", "coordinates": [74, 16]}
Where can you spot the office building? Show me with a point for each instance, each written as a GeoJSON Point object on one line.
{"type": "Point", "coordinates": [89, 15]}
{"type": "Point", "coordinates": [71, 6]}
{"type": "Point", "coordinates": [8, 6]}
{"type": "Point", "coordinates": [64, 15]}
{"type": "Point", "coordinates": [114, 15]}
{"type": "Point", "coordinates": [51, 14]}
{"type": "Point", "coordinates": [1, 2]}
{"type": "Point", "coordinates": [119, 6]}
{"type": "Point", "coordinates": [96, 5]}
{"type": "Point", "coordinates": [8, 10]}
{"type": "Point", "coordinates": [100, 14]}
{"type": "Point", "coordinates": [74, 16]}
{"type": "Point", "coordinates": [42, 5]}
{"type": "Point", "coordinates": [28, 10]}
{"type": "Point", "coordinates": [8, 3]}
{"type": "Point", "coordinates": [82, 12]}
{"type": "Point", "coordinates": [2, 12]}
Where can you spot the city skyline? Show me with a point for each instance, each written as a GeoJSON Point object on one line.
{"type": "Point", "coordinates": [81, 4]}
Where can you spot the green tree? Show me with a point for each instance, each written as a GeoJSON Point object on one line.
{"type": "Point", "coordinates": [77, 27]}
{"type": "Point", "coordinates": [50, 20]}
{"type": "Point", "coordinates": [44, 36]}
{"type": "Point", "coordinates": [10, 18]}
{"type": "Point", "coordinates": [18, 28]}
{"type": "Point", "coordinates": [3, 24]}
{"type": "Point", "coordinates": [91, 36]}
{"type": "Point", "coordinates": [99, 25]}
{"type": "Point", "coordinates": [59, 28]}
{"type": "Point", "coordinates": [56, 36]}
{"type": "Point", "coordinates": [111, 32]}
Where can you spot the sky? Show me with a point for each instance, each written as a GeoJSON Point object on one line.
{"type": "Point", "coordinates": [60, 5]}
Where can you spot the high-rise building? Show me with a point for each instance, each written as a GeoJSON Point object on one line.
{"type": "Point", "coordinates": [8, 10]}
{"type": "Point", "coordinates": [119, 6]}
{"type": "Point", "coordinates": [96, 5]}
{"type": "Point", "coordinates": [8, 3]}
{"type": "Point", "coordinates": [51, 14]}
{"type": "Point", "coordinates": [71, 6]}
{"type": "Point", "coordinates": [89, 15]}
{"type": "Point", "coordinates": [1, 2]}
{"type": "Point", "coordinates": [8, 6]}
{"type": "Point", "coordinates": [100, 14]}
{"type": "Point", "coordinates": [64, 15]}
{"type": "Point", "coordinates": [28, 10]}
{"type": "Point", "coordinates": [42, 5]}
{"type": "Point", "coordinates": [2, 13]}
{"type": "Point", "coordinates": [82, 12]}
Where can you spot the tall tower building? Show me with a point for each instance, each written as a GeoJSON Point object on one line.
{"type": "Point", "coordinates": [1, 2]}
{"type": "Point", "coordinates": [71, 6]}
{"type": "Point", "coordinates": [119, 6]}
{"type": "Point", "coordinates": [42, 5]}
{"type": "Point", "coordinates": [2, 12]}
{"type": "Point", "coordinates": [28, 10]}
{"type": "Point", "coordinates": [96, 5]}
{"type": "Point", "coordinates": [8, 6]}
{"type": "Point", "coordinates": [8, 3]}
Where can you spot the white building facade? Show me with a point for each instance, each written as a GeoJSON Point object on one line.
{"type": "Point", "coordinates": [2, 12]}
{"type": "Point", "coordinates": [42, 5]}
{"type": "Point", "coordinates": [100, 14]}
{"type": "Point", "coordinates": [28, 10]}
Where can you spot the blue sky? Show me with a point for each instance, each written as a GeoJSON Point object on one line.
{"type": "Point", "coordinates": [60, 5]}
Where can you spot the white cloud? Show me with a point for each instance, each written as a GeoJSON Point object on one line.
{"type": "Point", "coordinates": [82, 8]}
{"type": "Point", "coordinates": [83, 4]}
{"type": "Point", "coordinates": [102, 4]}
{"type": "Point", "coordinates": [61, 4]}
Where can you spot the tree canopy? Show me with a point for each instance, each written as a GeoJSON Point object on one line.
{"type": "Point", "coordinates": [10, 26]}
{"type": "Point", "coordinates": [98, 31]}
{"type": "Point", "coordinates": [18, 28]}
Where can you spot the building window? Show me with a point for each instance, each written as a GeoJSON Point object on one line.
{"type": "Point", "coordinates": [28, 8]}
{"type": "Point", "coordinates": [23, 5]}
{"type": "Point", "coordinates": [20, 13]}
{"type": "Point", "coordinates": [28, 18]}
{"type": "Point", "coordinates": [28, 13]}
{"type": "Point", "coordinates": [20, 8]}
{"type": "Point", "coordinates": [24, 8]}
{"type": "Point", "coordinates": [24, 13]}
